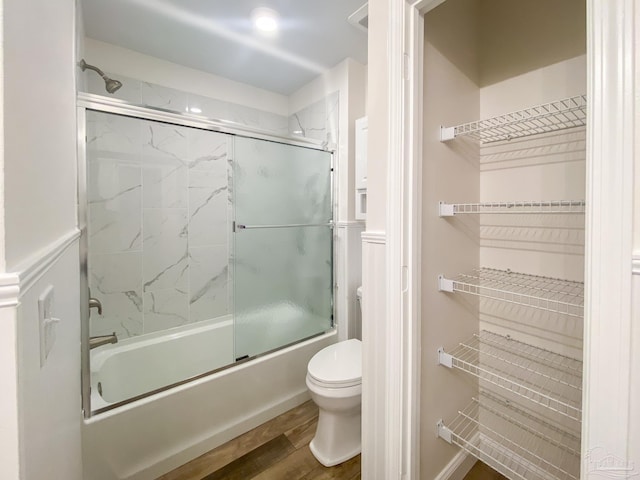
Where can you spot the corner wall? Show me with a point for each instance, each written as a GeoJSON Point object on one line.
{"type": "Point", "coordinates": [41, 414]}
{"type": "Point", "coordinates": [40, 128]}
{"type": "Point", "coordinates": [449, 245]}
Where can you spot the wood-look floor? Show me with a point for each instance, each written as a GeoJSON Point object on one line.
{"type": "Point", "coordinates": [480, 471]}
{"type": "Point", "coordinates": [279, 450]}
{"type": "Point", "coordinates": [276, 450]}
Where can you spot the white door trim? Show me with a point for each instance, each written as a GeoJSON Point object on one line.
{"type": "Point", "coordinates": [611, 30]}
{"type": "Point", "coordinates": [401, 406]}
{"type": "Point", "coordinates": [608, 322]}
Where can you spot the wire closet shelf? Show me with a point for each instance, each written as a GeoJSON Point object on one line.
{"type": "Point", "coordinates": [518, 207]}
{"type": "Point", "coordinates": [540, 376]}
{"type": "Point", "coordinates": [514, 441]}
{"type": "Point", "coordinates": [543, 293]}
{"type": "Point", "coordinates": [549, 117]}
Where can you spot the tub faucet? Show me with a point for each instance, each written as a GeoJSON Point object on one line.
{"type": "Point", "coordinates": [95, 342]}
{"type": "Point", "coordinates": [95, 303]}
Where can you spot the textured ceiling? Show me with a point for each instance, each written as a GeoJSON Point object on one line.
{"type": "Point", "coordinates": [216, 36]}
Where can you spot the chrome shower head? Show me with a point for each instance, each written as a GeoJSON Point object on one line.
{"type": "Point", "coordinates": [110, 84]}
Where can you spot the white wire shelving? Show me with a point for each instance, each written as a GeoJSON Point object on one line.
{"type": "Point", "coordinates": [549, 117]}
{"type": "Point", "coordinates": [543, 293]}
{"type": "Point", "coordinates": [540, 376]}
{"type": "Point", "coordinates": [518, 207]}
{"type": "Point", "coordinates": [513, 441]}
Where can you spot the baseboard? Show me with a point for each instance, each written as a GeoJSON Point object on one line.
{"type": "Point", "coordinates": [219, 437]}
{"type": "Point", "coordinates": [458, 467]}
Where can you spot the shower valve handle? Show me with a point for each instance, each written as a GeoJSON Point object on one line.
{"type": "Point", "coordinates": [95, 303]}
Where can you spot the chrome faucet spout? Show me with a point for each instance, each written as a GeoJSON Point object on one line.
{"type": "Point", "coordinates": [101, 340]}
{"type": "Point", "coordinates": [95, 303]}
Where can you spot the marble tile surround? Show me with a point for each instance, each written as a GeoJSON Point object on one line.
{"type": "Point", "coordinates": [318, 120]}
{"type": "Point", "coordinates": [153, 95]}
{"type": "Point", "coordinates": [159, 224]}
{"type": "Point", "coordinates": [160, 211]}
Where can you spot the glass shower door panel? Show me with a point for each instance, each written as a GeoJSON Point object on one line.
{"type": "Point", "coordinates": [283, 287]}
{"type": "Point", "coordinates": [158, 233]}
{"type": "Point", "coordinates": [283, 254]}
{"type": "Point", "coordinates": [278, 184]}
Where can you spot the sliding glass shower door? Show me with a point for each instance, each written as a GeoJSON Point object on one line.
{"type": "Point", "coordinates": [201, 248]}
{"type": "Point", "coordinates": [282, 245]}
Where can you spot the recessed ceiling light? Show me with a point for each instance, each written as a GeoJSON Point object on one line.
{"type": "Point", "coordinates": [265, 20]}
{"type": "Point", "coordinates": [195, 110]}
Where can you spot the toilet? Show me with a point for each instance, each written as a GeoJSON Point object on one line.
{"type": "Point", "coordinates": [334, 379]}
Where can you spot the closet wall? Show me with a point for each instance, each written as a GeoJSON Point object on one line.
{"type": "Point", "coordinates": [450, 171]}
{"type": "Point", "coordinates": [485, 58]}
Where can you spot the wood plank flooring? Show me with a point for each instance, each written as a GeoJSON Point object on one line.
{"type": "Point", "coordinates": [279, 450]}
{"type": "Point", "coordinates": [481, 471]}
{"type": "Point", "coordinates": [276, 450]}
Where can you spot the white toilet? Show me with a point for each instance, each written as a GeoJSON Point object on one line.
{"type": "Point", "coordinates": [334, 378]}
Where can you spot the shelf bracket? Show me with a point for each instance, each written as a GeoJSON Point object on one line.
{"type": "Point", "coordinates": [444, 358]}
{"type": "Point", "coordinates": [444, 284]}
{"type": "Point", "coordinates": [443, 432]}
{"type": "Point", "coordinates": [447, 133]}
{"type": "Point", "coordinates": [446, 209]}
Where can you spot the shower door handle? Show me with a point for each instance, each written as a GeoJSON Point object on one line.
{"type": "Point", "coordinates": [95, 303]}
{"type": "Point", "coordinates": [240, 226]}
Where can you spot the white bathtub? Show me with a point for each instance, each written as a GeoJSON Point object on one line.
{"type": "Point", "coordinates": [151, 436]}
{"type": "Point", "coordinates": [136, 366]}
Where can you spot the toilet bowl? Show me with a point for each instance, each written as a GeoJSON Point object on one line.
{"type": "Point", "coordinates": [334, 379]}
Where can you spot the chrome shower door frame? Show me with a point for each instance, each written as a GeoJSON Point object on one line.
{"type": "Point", "coordinates": [99, 103]}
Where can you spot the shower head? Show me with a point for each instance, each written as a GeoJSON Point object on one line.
{"type": "Point", "coordinates": [110, 84]}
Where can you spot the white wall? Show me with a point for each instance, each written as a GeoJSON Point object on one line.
{"type": "Point", "coordinates": [634, 437]}
{"type": "Point", "coordinates": [39, 193]}
{"type": "Point", "coordinates": [449, 245]}
{"type": "Point", "coordinates": [40, 125]}
{"type": "Point", "coordinates": [540, 33]}
{"type": "Point", "coordinates": [9, 455]}
{"type": "Point", "coordinates": [49, 395]}
{"type": "Point", "coordinates": [378, 113]}
{"type": "Point", "coordinates": [112, 58]}
{"type": "Point", "coordinates": [9, 449]}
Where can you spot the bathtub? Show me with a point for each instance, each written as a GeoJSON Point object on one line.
{"type": "Point", "coordinates": [146, 438]}
{"type": "Point", "coordinates": [136, 366]}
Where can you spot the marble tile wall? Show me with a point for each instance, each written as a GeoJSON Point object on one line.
{"type": "Point", "coordinates": [145, 93]}
{"type": "Point", "coordinates": [318, 121]}
{"type": "Point", "coordinates": [160, 209]}
{"type": "Point", "coordinates": [159, 224]}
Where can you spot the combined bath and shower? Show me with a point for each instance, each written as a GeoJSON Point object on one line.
{"type": "Point", "coordinates": [110, 84]}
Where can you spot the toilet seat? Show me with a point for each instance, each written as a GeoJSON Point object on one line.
{"type": "Point", "coordinates": [338, 365]}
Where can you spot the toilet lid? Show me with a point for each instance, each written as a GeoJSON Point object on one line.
{"type": "Point", "coordinates": [338, 365]}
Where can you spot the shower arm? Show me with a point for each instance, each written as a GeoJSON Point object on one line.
{"type": "Point", "coordinates": [110, 84]}
{"type": "Point", "coordinates": [84, 65]}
